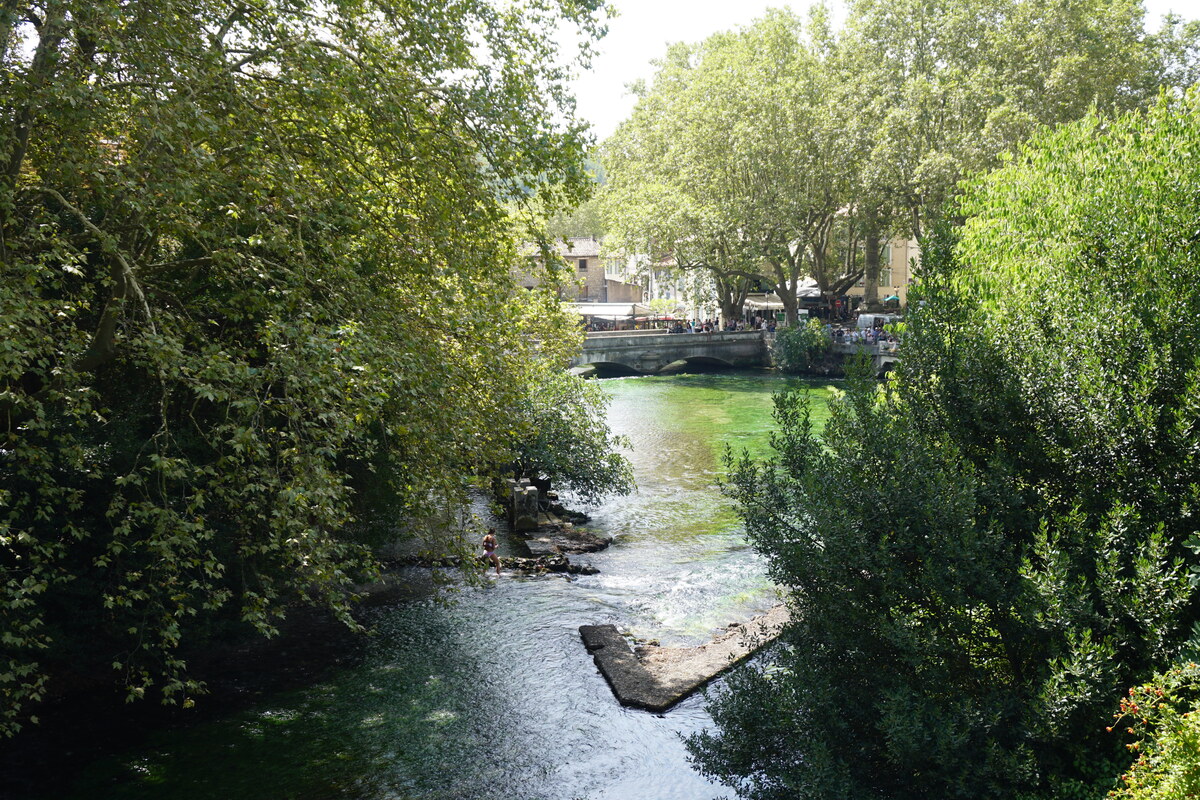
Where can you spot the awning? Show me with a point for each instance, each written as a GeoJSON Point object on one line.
{"type": "Point", "coordinates": [763, 304]}
{"type": "Point", "coordinates": [612, 311]}
{"type": "Point", "coordinates": [770, 302]}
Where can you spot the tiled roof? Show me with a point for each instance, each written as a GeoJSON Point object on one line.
{"type": "Point", "coordinates": [576, 247]}
{"type": "Point", "coordinates": [580, 247]}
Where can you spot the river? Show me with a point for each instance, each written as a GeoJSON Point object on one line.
{"type": "Point", "coordinates": [492, 695]}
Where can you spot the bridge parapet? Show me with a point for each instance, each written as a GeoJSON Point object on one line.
{"type": "Point", "coordinates": [651, 351]}
{"type": "Point", "coordinates": [877, 349]}
{"type": "Point", "coordinates": [711, 336]}
{"type": "Point", "coordinates": [620, 334]}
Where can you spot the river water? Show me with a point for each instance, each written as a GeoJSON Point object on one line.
{"type": "Point", "coordinates": [492, 695]}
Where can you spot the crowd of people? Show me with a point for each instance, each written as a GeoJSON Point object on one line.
{"type": "Point", "coordinates": [756, 323]}
{"type": "Point", "coordinates": [838, 332]}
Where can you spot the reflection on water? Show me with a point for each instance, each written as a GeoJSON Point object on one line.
{"type": "Point", "coordinates": [494, 696]}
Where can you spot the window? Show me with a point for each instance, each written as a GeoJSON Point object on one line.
{"type": "Point", "coordinates": [583, 265]}
{"type": "Point", "coordinates": [885, 276]}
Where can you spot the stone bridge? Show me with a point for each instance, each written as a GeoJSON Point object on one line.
{"type": "Point", "coordinates": [648, 352]}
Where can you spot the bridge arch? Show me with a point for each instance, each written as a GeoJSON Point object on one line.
{"type": "Point", "coordinates": [605, 369]}
{"type": "Point", "coordinates": [650, 352]}
{"type": "Point", "coordinates": [702, 362]}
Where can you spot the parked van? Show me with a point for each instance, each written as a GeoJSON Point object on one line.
{"type": "Point", "coordinates": [876, 320]}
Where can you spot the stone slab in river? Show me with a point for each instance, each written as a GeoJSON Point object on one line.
{"type": "Point", "coordinates": [538, 548]}
{"type": "Point", "coordinates": [567, 539]}
{"type": "Point", "coordinates": [656, 678]}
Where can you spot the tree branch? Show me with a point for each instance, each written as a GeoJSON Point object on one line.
{"type": "Point", "coordinates": [103, 347]}
{"type": "Point", "coordinates": [51, 35]}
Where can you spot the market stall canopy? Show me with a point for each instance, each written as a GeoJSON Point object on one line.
{"type": "Point", "coordinates": [771, 302]}
{"type": "Point", "coordinates": [613, 311]}
{"type": "Point", "coordinates": [761, 302]}
{"type": "Point", "coordinates": [808, 289]}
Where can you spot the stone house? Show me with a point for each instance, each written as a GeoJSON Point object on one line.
{"type": "Point", "coordinates": [597, 279]}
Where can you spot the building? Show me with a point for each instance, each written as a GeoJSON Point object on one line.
{"type": "Point", "coordinates": [597, 278]}
{"type": "Point", "coordinates": [898, 259]}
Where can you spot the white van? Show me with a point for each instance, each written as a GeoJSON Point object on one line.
{"type": "Point", "coordinates": [866, 321]}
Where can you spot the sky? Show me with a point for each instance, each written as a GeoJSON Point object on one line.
{"type": "Point", "coordinates": [645, 27]}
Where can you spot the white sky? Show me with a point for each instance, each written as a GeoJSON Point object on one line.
{"type": "Point", "coordinates": [646, 27]}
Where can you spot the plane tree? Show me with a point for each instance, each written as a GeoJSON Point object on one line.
{"type": "Point", "coordinates": [733, 159]}
{"type": "Point", "coordinates": [255, 258]}
{"type": "Point", "coordinates": [658, 200]}
{"type": "Point", "coordinates": [949, 85]}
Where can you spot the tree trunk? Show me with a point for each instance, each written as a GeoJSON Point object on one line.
{"type": "Point", "coordinates": [785, 289]}
{"type": "Point", "coordinates": [731, 295]}
{"type": "Point", "coordinates": [41, 70]}
{"type": "Point", "coordinates": [871, 262]}
{"type": "Point", "coordinates": [785, 262]}
{"type": "Point", "coordinates": [791, 309]}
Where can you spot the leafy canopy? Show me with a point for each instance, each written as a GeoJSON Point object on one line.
{"type": "Point", "coordinates": [981, 554]}
{"type": "Point", "coordinates": [255, 258]}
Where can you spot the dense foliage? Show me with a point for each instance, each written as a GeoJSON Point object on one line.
{"type": "Point", "coordinates": [982, 555]}
{"type": "Point", "coordinates": [787, 149]}
{"type": "Point", "coordinates": [562, 435]}
{"type": "Point", "coordinates": [798, 348]}
{"type": "Point", "coordinates": [254, 257]}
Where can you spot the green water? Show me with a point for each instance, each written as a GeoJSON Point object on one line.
{"type": "Point", "coordinates": [493, 695]}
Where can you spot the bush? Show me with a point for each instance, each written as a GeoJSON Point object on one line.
{"type": "Point", "coordinates": [797, 349]}
{"type": "Point", "coordinates": [1164, 718]}
{"type": "Point", "coordinates": [983, 552]}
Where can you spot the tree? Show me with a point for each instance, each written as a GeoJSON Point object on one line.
{"type": "Point", "coordinates": [962, 81]}
{"type": "Point", "coordinates": [249, 254]}
{"type": "Point", "coordinates": [657, 203]}
{"type": "Point", "coordinates": [733, 161]}
{"type": "Point", "coordinates": [984, 552]}
{"type": "Point", "coordinates": [562, 436]}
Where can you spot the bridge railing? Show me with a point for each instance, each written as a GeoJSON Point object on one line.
{"type": "Point", "coordinates": [618, 334]}
{"type": "Point", "coordinates": [714, 336]}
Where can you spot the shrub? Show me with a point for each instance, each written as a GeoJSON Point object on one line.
{"type": "Point", "coordinates": [1164, 718]}
{"type": "Point", "coordinates": [797, 349]}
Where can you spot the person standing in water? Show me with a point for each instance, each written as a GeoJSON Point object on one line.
{"type": "Point", "coordinates": [489, 549]}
